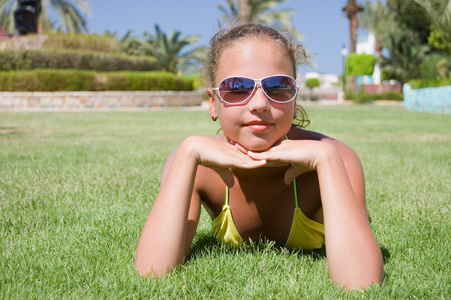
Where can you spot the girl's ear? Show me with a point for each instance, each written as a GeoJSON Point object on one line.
{"type": "Point", "coordinates": [211, 103]}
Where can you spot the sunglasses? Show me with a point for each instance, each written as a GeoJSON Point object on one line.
{"type": "Point", "coordinates": [238, 90]}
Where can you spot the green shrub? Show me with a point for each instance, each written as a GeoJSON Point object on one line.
{"type": "Point", "coordinates": [64, 41]}
{"type": "Point", "coordinates": [149, 81]}
{"type": "Point", "coordinates": [430, 67]}
{"type": "Point", "coordinates": [72, 59]}
{"type": "Point", "coordinates": [198, 81]}
{"type": "Point", "coordinates": [46, 80]}
{"type": "Point", "coordinates": [82, 42]}
{"type": "Point", "coordinates": [311, 83]}
{"type": "Point", "coordinates": [76, 80]}
{"type": "Point", "coordinates": [360, 64]}
{"type": "Point", "coordinates": [424, 83]}
{"type": "Point", "coordinates": [361, 96]}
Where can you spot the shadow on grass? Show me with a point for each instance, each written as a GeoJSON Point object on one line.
{"type": "Point", "coordinates": [206, 244]}
{"type": "Point", "coordinates": [10, 130]}
{"type": "Point", "coordinates": [385, 254]}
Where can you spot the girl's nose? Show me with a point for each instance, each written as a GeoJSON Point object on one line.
{"type": "Point", "coordinates": [259, 101]}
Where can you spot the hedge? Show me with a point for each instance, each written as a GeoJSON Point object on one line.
{"type": "Point", "coordinates": [76, 80]}
{"type": "Point", "coordinates": [312, 83]}
{"type": "Point", "coordinates": [64, 41]}
{"type": "Point", "coordinates": [361, 96]}
{"type": "Point", "coordinates": [360, 64]}
{"type": "Point", "coordinates": [423, 83]}
{"type": "Point", "coordinates": [72, 59]}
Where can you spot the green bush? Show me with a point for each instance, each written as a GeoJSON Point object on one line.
{"type": "Point", "coordinates": [82, 42]}
{"type": "Point", "coordinates": [198, 81]}
{"type": "Point", "coordinates": [64, 41]}
{"type": "Point", "coordinates": [429, 68]}
{"type": "Point", "coordinates": [148, 81]}
{"type": "Point", "coordinates": [424, 83]}
{"type": "Point", "coordinates": [361, 96]}
{"type": "Point", "coordinates": [76, 80]}
{"type": "Point", "coordinates": [360, 64]}
{"type": "Point", "coordinates": [47, 80]}
{"type": "Point", "coordinates": [72, 59]}
{"type": "Point", "coordinates": [311, 83]}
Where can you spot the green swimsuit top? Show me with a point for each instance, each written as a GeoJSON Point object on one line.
{"type": "Point", "coordinates": [304, 234]}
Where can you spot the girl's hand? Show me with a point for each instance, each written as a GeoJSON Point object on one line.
{"type": "Point", "coordinates": [303, 155]}
{"type": "Point", "coordinates": [220, 156]}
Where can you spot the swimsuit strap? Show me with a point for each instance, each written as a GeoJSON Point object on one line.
{"type": "Point", "coordinates": [227, 195]}
{"type": "Point", "coordinates": [294, 185]}
{"type": "Point", "coordinates": [295, 192]}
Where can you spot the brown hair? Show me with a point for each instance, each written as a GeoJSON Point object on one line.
{"type": "Point", "coordinates": [225, 37]}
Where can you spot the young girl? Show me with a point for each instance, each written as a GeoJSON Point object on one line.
{"type": "Point", "coordinates": [262, 178]}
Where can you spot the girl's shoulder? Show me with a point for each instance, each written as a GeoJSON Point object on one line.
{"type": "Point", "coordinates": [302, 134]}
{"type": "Point", "coordinates": [296, 133]}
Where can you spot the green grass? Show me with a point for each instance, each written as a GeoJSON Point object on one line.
{"type": "Point", "coordinates": [76, 188]}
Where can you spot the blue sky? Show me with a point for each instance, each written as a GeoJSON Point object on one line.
{"type": "Point", "coordinates": [322, 23]}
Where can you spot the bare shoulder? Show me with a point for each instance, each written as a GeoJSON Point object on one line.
{"type": "Point", "coordinates": [347, 153]}
{"type": "Point", "coordinates": [171, 156]}
{"type": "Point", "coordinates": [349, 157]}
{"type": "Point", "coordinates": [208, 186]}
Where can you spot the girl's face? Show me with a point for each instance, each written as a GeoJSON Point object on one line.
{"type": "Point", "coordinates": [259, 123]}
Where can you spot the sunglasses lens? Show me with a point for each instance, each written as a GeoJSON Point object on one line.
{"type": "Point", "coordinates": [280, 88]}
{"type": "Point", "coordinates": [236, 89]}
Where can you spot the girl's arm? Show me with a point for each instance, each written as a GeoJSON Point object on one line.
{"type": "Point", "coordinates": [353, 255]}
{"type": "Point", "coordinates": [173, 219]}
{"type": "Point", "coordinates": [170, 227]}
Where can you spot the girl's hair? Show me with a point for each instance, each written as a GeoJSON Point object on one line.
{"type": "Point", "coordinates": [226, 37]}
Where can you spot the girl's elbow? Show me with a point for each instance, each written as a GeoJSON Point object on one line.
{"type": "Point", "coordinates": [361, 280]}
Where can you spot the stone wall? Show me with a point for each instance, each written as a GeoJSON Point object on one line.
{"type": "Point", "coordinates": [437, 100]}
{"type": "Point", "coordinates": [97, 100]}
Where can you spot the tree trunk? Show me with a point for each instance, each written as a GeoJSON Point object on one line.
{"type": "Point", "coordinates": [353, 28]}
{"type": "Point", "coordinates": [244, 11]}
{"type": "Point", "coordinates": [352, 9]}
{"type": "Point", "coordinates": [378, 59]}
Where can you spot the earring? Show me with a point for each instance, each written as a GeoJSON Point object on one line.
{"type": "Point", "coordinates": [214, 118]}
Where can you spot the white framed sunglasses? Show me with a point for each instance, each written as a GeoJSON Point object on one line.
{"type": "Point", "coordinates": [237, 90]}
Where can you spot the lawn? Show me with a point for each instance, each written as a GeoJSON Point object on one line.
{"type": "Point", "coordinates": [76, 188]}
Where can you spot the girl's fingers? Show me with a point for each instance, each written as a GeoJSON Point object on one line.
{"type": "Point", "coordinates": [256, 155]}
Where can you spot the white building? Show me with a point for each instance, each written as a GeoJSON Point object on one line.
{"type": "Point", "coordinates": [327, 90]}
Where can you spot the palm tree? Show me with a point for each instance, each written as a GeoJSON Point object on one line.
{"type": "Point", "coordinates": [439, 12]}
{"type": "Point", "coordinates": [376, 19]}
{"type": "Point", "coordinates": [406, 56]}
{"type": "Point", "coordinates": [167, 49]}
{"type": "Point", "coordinates": [71, 15]}
{"type": "Point", "coordinates": [258, 11]}
{"type": "Point", "coordinates": [352, 9]}
{"type": "Point", "coordinates": [244, 11]}
{"type": "Point", "coordinates": [130, 44]}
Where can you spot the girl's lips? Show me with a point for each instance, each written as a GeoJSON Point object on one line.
{"type": "Point", "coordinates": [258, 125]}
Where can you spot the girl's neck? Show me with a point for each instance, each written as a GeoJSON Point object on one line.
{"type": "Point", "coordinates": [260, 174]}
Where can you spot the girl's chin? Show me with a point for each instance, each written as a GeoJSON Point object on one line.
{"type": "Point", "coordinates": [259, 146]}
{"type": "Point", "coordinates": [256, 144]}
